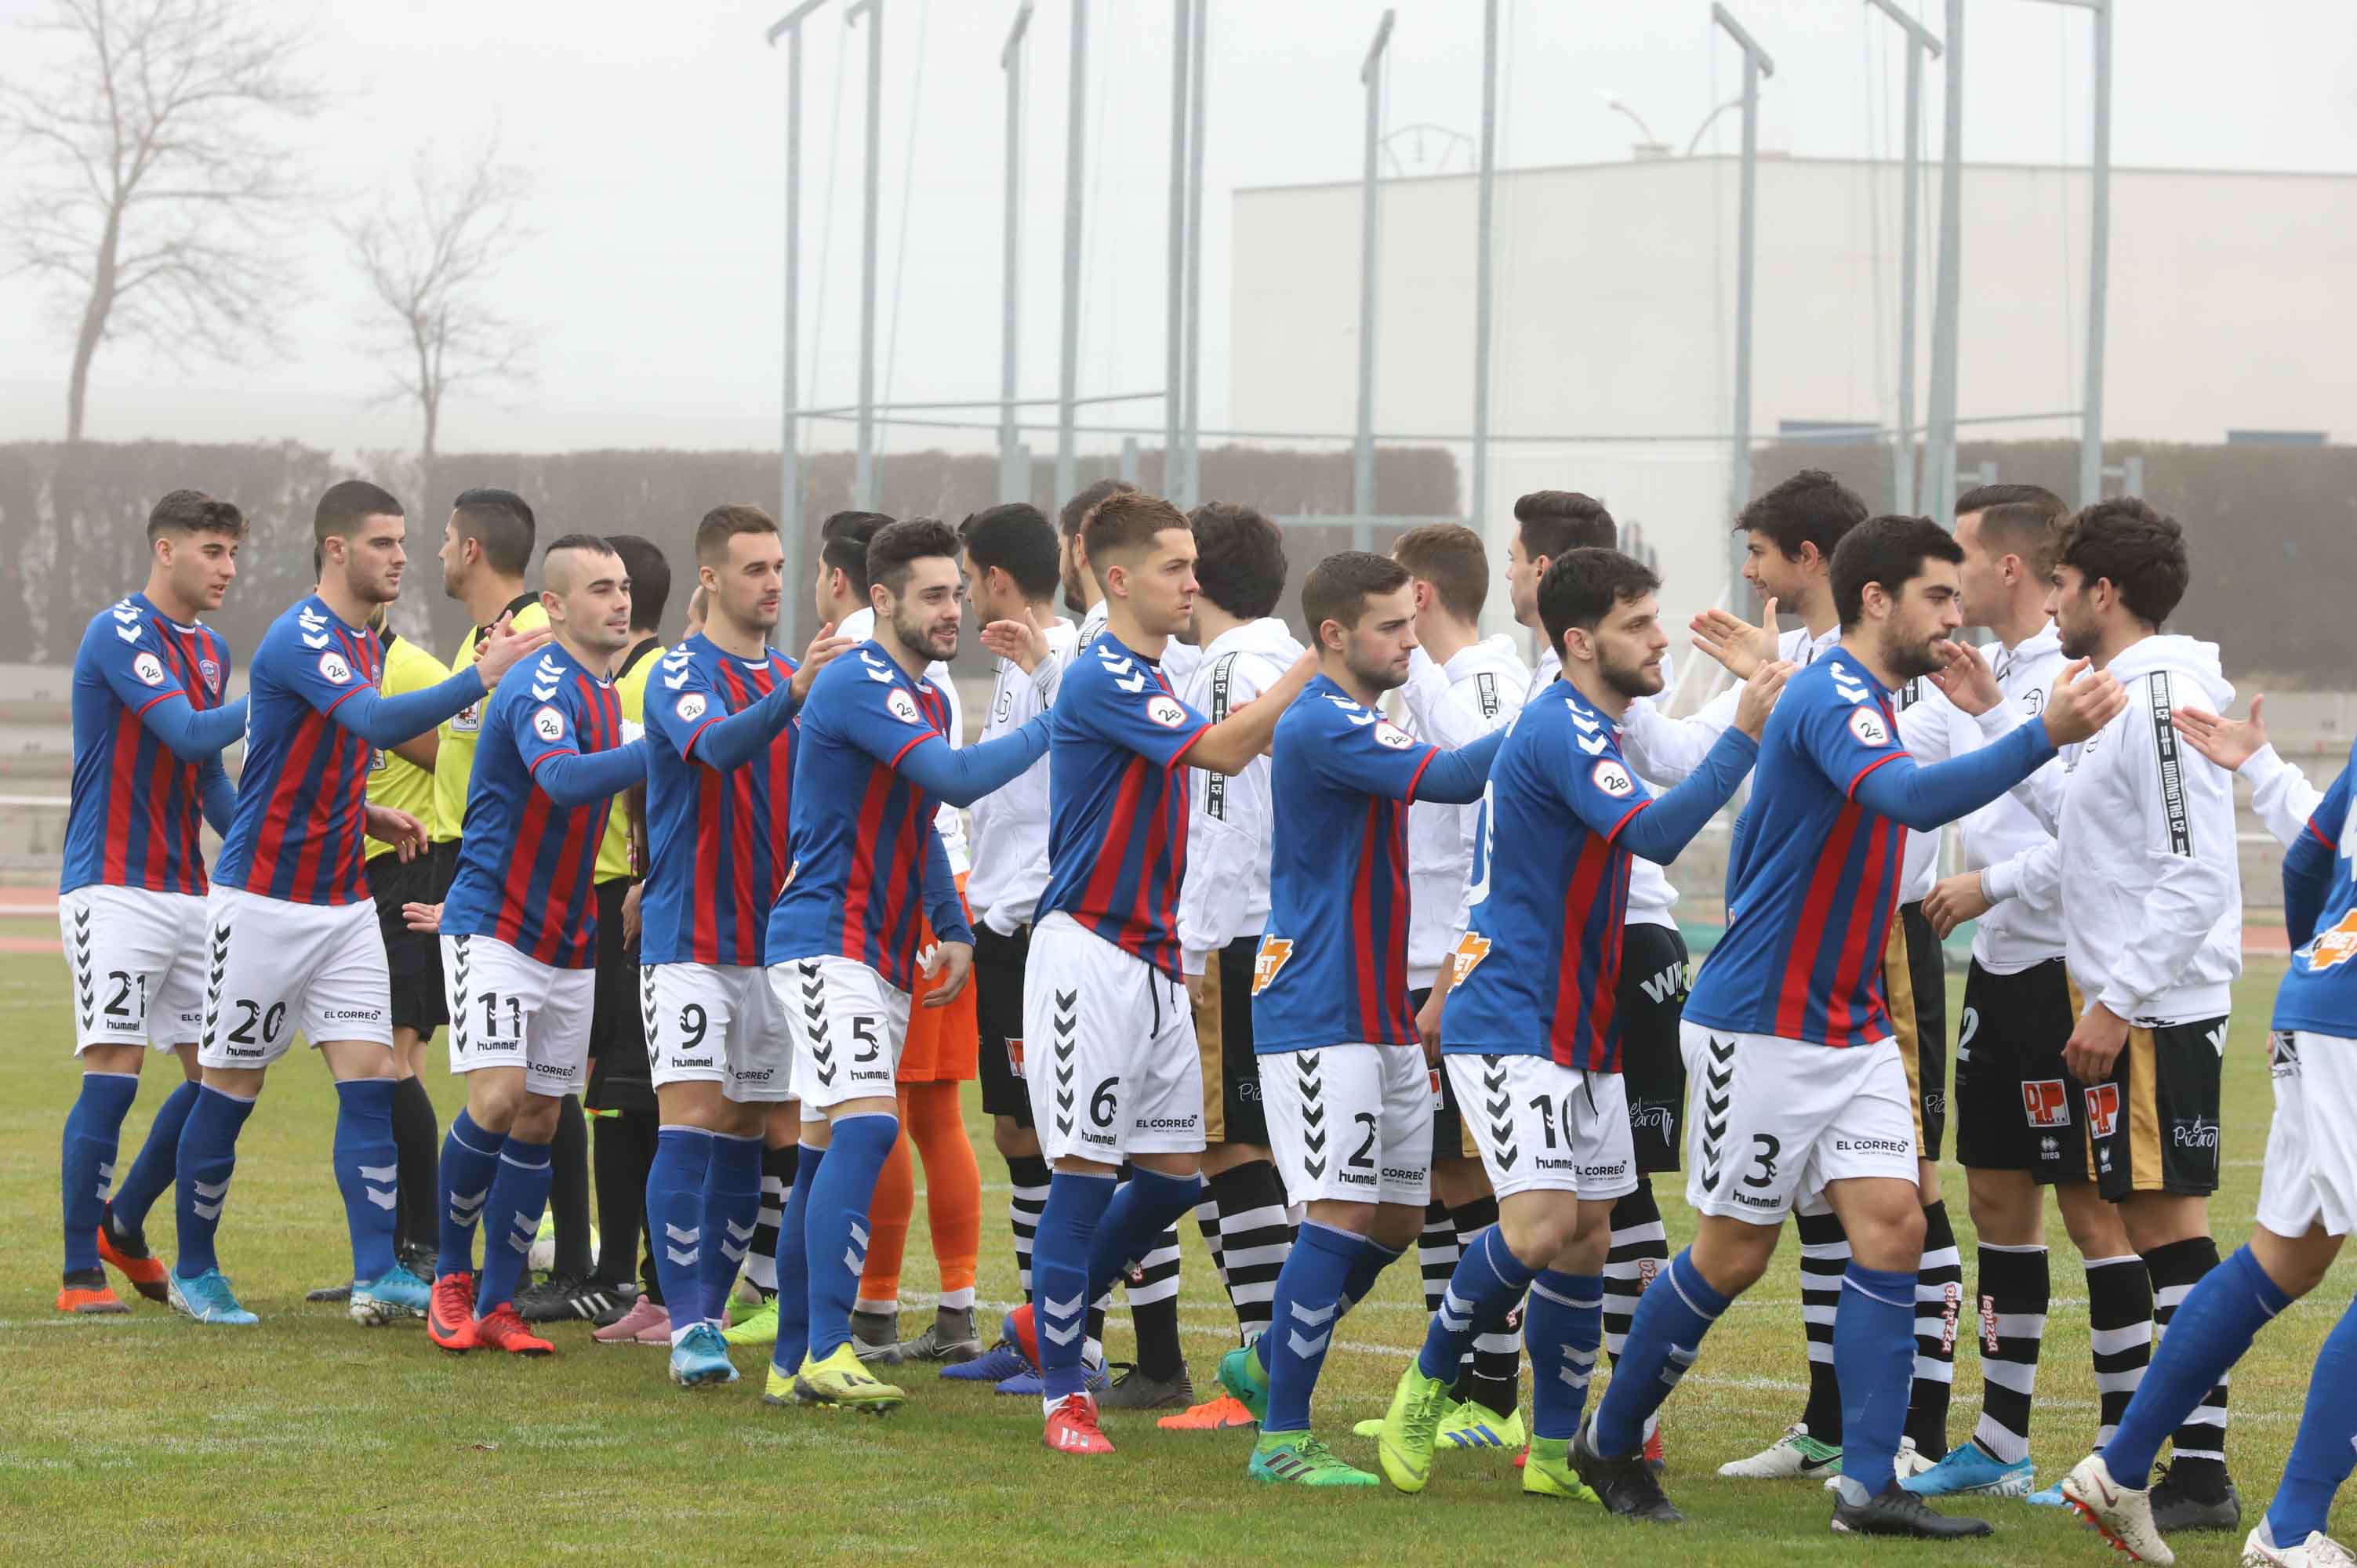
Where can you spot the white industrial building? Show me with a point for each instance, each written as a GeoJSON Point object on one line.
{"type": "Point", "coordinates": [1615, 312]}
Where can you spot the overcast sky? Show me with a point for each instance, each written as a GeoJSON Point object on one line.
{"type": "Point", "coordinates": [653, 138]}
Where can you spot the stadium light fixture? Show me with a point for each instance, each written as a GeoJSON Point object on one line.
{"type": "Point", "coordinates": [789, 497]}
{"type": "Point", "coordinates": [1756, 65]}
{"type": "Point", "coordinates": [2099, 255]}
{"type": "Point", "coordinates": [1920, 40]}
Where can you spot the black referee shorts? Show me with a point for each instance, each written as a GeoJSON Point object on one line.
{"type": "Point", "coordinates": [412, 959]}
{"type": "Point", "coordinates": [622, 1076]}
{"type": "Point", "coordinates": [1651, 1000]}
{"type": "Point", "coordinates": [998, 963]}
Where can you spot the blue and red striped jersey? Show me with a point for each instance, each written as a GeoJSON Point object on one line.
{"type": "Point", "coordinates": [1332, 967]}
{"type": "Point", "coordinates": [1117, 801]}
{"type": "Point", "coordinates": [1812, 876]}
{"type": "Point", "coordinates": [716, 841]}
{"type": "Point", "coordinates": [297, 834]}
{"type": "Point", "coordinates": [1538, 968]}
{"type": "Point", "coordinates": [527, 865]}
{"type": "Point", "coordinates": [136, 807]}
{"type": "Point", "coordinates": [863, 837]}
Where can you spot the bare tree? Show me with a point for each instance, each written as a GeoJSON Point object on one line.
{"type": "Point", "coordinates": [154, 188]}
{"type": "Point", "coordinates": [427, 269]}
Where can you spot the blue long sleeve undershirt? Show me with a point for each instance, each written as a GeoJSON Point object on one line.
{"type": "Point", "coordinates": [1457, 777]}
{"type": "Point", "coordinates": [1663, 830]}
{"type": "Point", "coordinates": [191, 733]}
{"type": "Point", "coordinates": [1928, 797]}
{"type": "Point", "coordinates": [570, 779]}
{"type": "Point", "coordinates": [741, 737]}
{"type": "Point", "coordinates": [962, 776]}
{"type": "Point", "coordinates": [386, 722]}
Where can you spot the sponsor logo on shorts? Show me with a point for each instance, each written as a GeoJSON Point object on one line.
{"type": "Point", "coordinates": [1873, 1146]}
{"type": "Point", "coordinates": [1172, 1123]}
{"type": "Point", "coordinates": [2050, 1147]}
{"type": "Point", "coordinates": [2283, 1055]}
{"type": "Point", "coordinates": [1653, 1116]}
{"type": "Point", "coordinates": [2046, 1102]}
{"type": "Point", "coordinates": [2103, 1112]}
{"type": "Point", "coordinates": [1471, 949]}
{"type": "Point", "coordinates": [1249, 1089]}
{"type": "Point", "coordinates": [1613, 1172]}
{"type": "Point", "coordinates": [1168, 711]}
{"type": "Point", "coordinates": [244, 1050]}
{"type": "Point", "coordinates": [2198, 1132]}
{"type": "Point", "coordinates": [1403, 1174]}
{"type": "Point", "coordinates": [1271, 958]}
{"type": "Point", "coordinates": [1015, 1056]}
{"type": "Point", "coordinates": [149, 669]}
{"type": "Point", "coordinates": [352, 1014]}
{"type": "Point", "coordinates": [755, 1075]}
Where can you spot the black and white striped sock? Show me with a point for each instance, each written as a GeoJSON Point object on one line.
{"type": "Point", "coordinates": [1641, 1251]}
{"type": "Point", "coordinates": [1938, 1302]}
{"type": "Point", "coordinates": [1154, 1309]}
{"type": "Point", "coordinates": [1824, 1258]}
{"type": "Point", "coordinates": [761, 1257]}
{"type": "Point", "coordinates": [1029, 1175]}
{"type": "Point", "coordinates": [1435, 1253]}
{"type": "Point", "coordinates": [1255, 1240]}
{"type": "Point", "coordinates": [2119, 1334]}
{"type": "Point", "coordinates": [2014, 1290]}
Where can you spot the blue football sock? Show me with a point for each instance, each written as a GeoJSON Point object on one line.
{"type": "Point", "coordinates": [519, 1198]}
{"type": "Point", "coordinates": [1302, 1316]}
{"type": "Point", "coordinates": [732, 1204]}
{"type": "Point", "coordinates": [1563, 1328]}
{"type": "Point", "coordinates": [1487, 1281]}
{"type": "Point", "coordinates": [1665, 1338]}
{"type": "Point", "coordinates": [2321, 1454]}
{"type": "Point", "coordinates": [1069, 1227]}
{"type": "Point", "coordinates": [470, 1160]}
{"type": "Point", "coordinates": [207, 1157]}
{"type": "Point", "coordinates": [151, 1172]}
{"type": "Point", "coordinates": [835, 1230]}
{"type": "Point", "coordinates": [2213, 1325]}
{"type": "Point", "coordinates": [1147, 1204]}
{"type": "Point", "coordinates": [793, 1263]}
{"type": "Point", "coordinates": [368, 1172]}
{"type": "Point", "coordinates": [1874, 1361]}
{"type": "Point", "coordinates": [675, 1220]}
{"type": "Point", "coordinates": [1365, 1269]}
{"type": "Point", "coordinates": [86, 1160]}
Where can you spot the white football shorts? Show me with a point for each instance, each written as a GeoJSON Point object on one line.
{"type": "Point", "coordinates": [510, 1010]}
{"type": "Point", "coordinates": [137, 960]}
{"type": "Point", "coordinates": [1769, 1122]}
{"type": "Point", "coordinates": [1109, 1040]}
{"type": "Point", "coordinates": [1351, 1123]}
{"type": "Point", "coordinates": [717, 1024]}
{"type": "Point", "coordinates": [848, 1024]}
{"type": "Point", "coordinates": [274, 968]}
{"type": "Point", "coordinates": [1545, 1127]}
{"type": "Point", "coordinates": [2310, 1174]}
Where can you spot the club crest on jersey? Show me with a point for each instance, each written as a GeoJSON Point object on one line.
{"type": "Point", "coordinates": [1271, 958]}
{"type": "Point", "coordinates": [690, 708]}
{"type": "Point", "coordinates": [333, 669]}
{"type": "Point", "coordinates": [209, 673]}
{"type": "Point", "coordinates": [1470, 950]}
{"type": "Point", "coordinates": [2332, 948]}
{"type": "Point", "coordinates": [149, 669]}
{"type": "Point", "coordinates": [1390, 734]}
{"type": "Point", "coordinates": [2045, 1101]}
{"type": "Point", "coordinates": [902, 706]}
{"type": "Point", "coordinates": [1867, 726]}
{"type": "Point", "coordinates": [1166, 710]}
{"type": "Point", "coordinates": [548, 724]}
{"type": "Point", "coordinates": [2103, 1108]}
{"type": "Point", "coordinates": [1612, 779]}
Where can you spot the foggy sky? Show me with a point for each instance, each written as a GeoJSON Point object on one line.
{"type": "Point", "coordinates": [654, 136]}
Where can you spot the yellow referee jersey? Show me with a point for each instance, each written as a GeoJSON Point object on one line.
{"type": "Point", "coordinates": [404, 786]}
{"type": "Point", "coordinates": [453, 765]}
{"type": "Point", "coordinates": [630, 686]}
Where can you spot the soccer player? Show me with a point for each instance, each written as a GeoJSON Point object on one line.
{"type": "Point", "coordinates": [1223, 907]}
{"type": "Point", "coordinates": [1011, 552]}
{"type": "Point", "coordinates": [1804, 1094]}
{"type": "Point", "coordinates": [2020, 1114]}
{"type": "Point", "coordinates": [292, 937]}
{"type": "Point", "coordinates": [486, 550]}
{"type": "Point", "coordinates": [1120, 1078]}
{"type": "Point", "coordinates": [864, 859]}
{"type": "Point", "coordinates": [150, 718]}
{"type": "Point", "coordinates": [519, 934]}
{"type": "Point", "coordinates": [1530, 1033]}
{"type": "Point", "coordinates": [2146, 859]}
{"type": "Point", "coordinates": [719, 774]}
{"type": "Point", "coordinates": [1348, 1103]}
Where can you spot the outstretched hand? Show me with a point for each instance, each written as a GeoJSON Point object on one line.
{"type": "Point", "coordinates": [1966, 678]}
{"type": "Point", "coordinates": [2082, 704]}
{"type": "Point", "coordinates": [2228, 743]}
{"type": "Point", "coordinates": [1735, 642]}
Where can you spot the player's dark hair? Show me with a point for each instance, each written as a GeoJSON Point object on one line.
{"type": "Point", "coordinates": [896, 548]}
{"type": "Point", "coordinates": [1238, 558]}
{"type": "Point", "coordinates": [650, 574]}
{"type": "Point", "coordinates": [193, 511]}
{"type": "Point", "coordinates": [1451, 557]}
{"type": "Point", "coordinates": [1581, 587]}
{"type": "Point", "coordinates": [1810, 508]}
{"type": "Point", "coordinates": [499, 521]}
{"type": "Point", "coordinates": [1554, 522]}
{"type": "Point", "coordinates": [1126, 519]}
{"type": "Point", "coordinates": [346, 504]}
{"type": "Point", "coordinates": [1019, 540]}
{"type": "Point", "coordinates": [1338, 588]}
{"type": "Point", "coordinates": [1890, 550]}
{"type": "Point", "coordinates": [2138, 549]}
{"type": "Point", "coordinates": [1075, 514]}
{"type": "Point", "coordinates": [2021, 519]}
{"type": "Point", "coordinates": [723, 523]}
{"type": "Point", "coordinates": [843, 545]}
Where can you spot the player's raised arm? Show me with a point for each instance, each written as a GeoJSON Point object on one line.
{"type": "Point", "coordinates": [2309, 860]}
{"type": "Point", "coordinates": [143, 680]}
{"type": "Point", "coordinates": [1229, 746]}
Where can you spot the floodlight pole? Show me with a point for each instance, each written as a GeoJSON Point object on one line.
{"type": "Point", "coordinates": [1481, 295]}
{"type": "Point", "coordinates": [790, 490]}
{"type": "Point", "coordinates": [1362, 466]}
{"type": "Point", "coordinates": [1920, 40]}
{"type": "Point", "coordinates": [1174, 345]}
{"type": "Point", "coordinates": [2099, 253]}
{"type": "Point", "coordinates": [874, 10]}
{"type": "Point", "coordinates": [1014, 482]}
{"type": "Point", "coordinates": [1075, 148]}
{"type": "Point", "coordinates": [1190, 477]}
{"type": "Point", "coordinates": [1756, 64]}
{"type": "Point", "coordinates": [1936, 493]}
